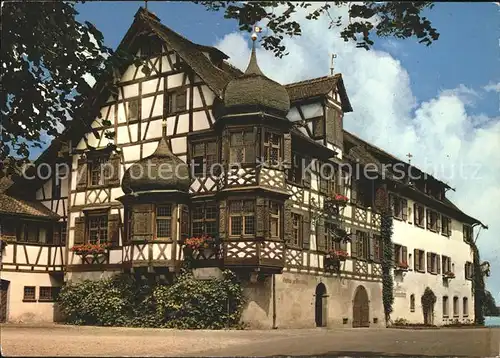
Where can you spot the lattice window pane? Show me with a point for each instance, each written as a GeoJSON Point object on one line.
{"type": "Point", "coordinates": [198, 213]}
{"type": "Point", "coordinates": [274, 227]}
{"type": "Point", "coordinates": [249, 154]}
{"type": "Point", "coordinates": [211, 147]}
{"type": "Point", "coordinates": [29, 293]}
{"type": "Point", "coordinates": [198, 228]}
{"type": "Point", "coordinates": [164, 210]}
{"type": "Point", "coordinates": [163, 227]}
{"type": "Point", "coordinates": [45, 293]}
{"type": "Point", "coordinates": [211, 228]}
{"type": "Point", "coordinates": [236, 225]}
{"type": "Point", "coordinates": [249, 225]}
{"type": "Point", "coordinates": [235, 207]}
{"type": "Point", "coordinates": [199, 149]}
{"type": "Point", "coordinates": [211, 212]}
{"type": "Point", "coordinates": [248, 206]}
{"type": "Point", "coordinates": [236, 139]}
{"type": "Point", "coordinates": [249, 137]}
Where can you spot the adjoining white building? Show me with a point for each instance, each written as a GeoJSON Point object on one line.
{"type": "Point", "coordinates": [274, 223]}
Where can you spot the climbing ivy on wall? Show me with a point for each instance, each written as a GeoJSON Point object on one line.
{"type": "Point", "coordinates": [477, 285]}
{"type": "Point", "coordinates": [382, 203]}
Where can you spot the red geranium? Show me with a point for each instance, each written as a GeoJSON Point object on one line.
{"type": "Point", "coordinates": [197, 243]}
{"type": "Point", "coordinates": [90, 249]}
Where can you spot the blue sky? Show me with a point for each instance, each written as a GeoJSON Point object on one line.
{"type": "Point", "coordinates": [431, 101]}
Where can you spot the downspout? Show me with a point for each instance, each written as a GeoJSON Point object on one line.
{"type": "Point", "coordinates": [274, 302]}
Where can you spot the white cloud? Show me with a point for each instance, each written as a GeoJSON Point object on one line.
{"type": "Point", "coordinates": [492, 87]}
{"type": "Point", "coordinates": [443, 133]}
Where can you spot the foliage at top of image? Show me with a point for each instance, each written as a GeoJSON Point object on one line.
{"type": "Point", "coordinates": [45, 62]}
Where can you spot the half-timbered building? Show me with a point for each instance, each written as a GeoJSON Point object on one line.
{"type": "Point", "coordinates": [273, 219]}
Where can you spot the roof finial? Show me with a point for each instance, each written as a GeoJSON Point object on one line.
{"type": "Point", "coordinates": [334, 55]}
{"type": "Point", "coordinates": [164, 128]}
{"type": "Point", "coordinates": [253, 67]}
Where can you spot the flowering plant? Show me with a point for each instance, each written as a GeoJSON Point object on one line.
{"type": "Point", "coordinates": [403, 265]}
{"type": "Point", "coordinates": [341, 254]}
{"type": "Point", "coordinates": [92, 249]}
{"type": "Point", "coordinates": [202, 242]}
{"type": "Point", "coordinates": [449, 274]}
{"type": "Point", "coordinates": [341, 198]}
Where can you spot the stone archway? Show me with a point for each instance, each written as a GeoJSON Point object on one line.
{"type": "Point", "coordinates": [4, 289]}
{"type": "Point", "coordinates": [320, 305]}
{"type": "Point", "coordinates": [361, 308]}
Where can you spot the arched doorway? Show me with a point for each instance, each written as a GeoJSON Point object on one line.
{"type": "Point", "coordinates": [320, 306]}
{"type": "Point", "coordinates": [361, 308]}
{"type": "Point", "coordinates": [4, 289]}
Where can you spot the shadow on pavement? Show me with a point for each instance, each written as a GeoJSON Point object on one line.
{"type": "Point", "coordinates": [364, 354]}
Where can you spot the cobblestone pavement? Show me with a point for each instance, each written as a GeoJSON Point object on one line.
{"type": "Point", "coordinates": [58, 340]}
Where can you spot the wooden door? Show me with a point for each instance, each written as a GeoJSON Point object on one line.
{"type": "Point", "coordinates": [4, 286]}
{"type": "Point", "coordinates": [320, 306]}
{"type": "Point", "coordinates": [361, 308]}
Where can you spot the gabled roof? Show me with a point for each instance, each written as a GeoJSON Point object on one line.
{"type": "Point", "coordinates": [319, 87]}
{"type": "Point", "coordinates": [11, 205]}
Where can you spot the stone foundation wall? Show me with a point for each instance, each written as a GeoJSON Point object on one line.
{"type": "Point", "coordinates": [295, 301]}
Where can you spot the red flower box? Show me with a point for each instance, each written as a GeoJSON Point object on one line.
{"type": "Point", "coordinates": [339, 254]}
{"type": "Point", "coordinates": [197, 243]}
{"type": "Point", "coordinates": [90, 249]}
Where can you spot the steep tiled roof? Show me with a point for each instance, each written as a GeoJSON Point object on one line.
{"type": "Point", "coordinates": [12, 205]}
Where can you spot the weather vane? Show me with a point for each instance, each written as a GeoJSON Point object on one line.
{"type": "Point", "coordinates": [409, 155]}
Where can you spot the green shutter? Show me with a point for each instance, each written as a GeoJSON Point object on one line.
{"type": "Point", "coordinates": [320, 236]}
{"type": "Point", "coordinates": [79, 237]}
{"type": "Point", "coordinates": [114, 229]}
{"type": "Point", "coordinates": [354, 245]}
{"type": "Point", "coordinates": [81, 174]}
{"type": "Point", "coordinates": [306, 225]}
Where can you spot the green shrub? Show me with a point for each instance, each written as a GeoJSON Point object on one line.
{"type": "Point", "coordinates": [124, 301]}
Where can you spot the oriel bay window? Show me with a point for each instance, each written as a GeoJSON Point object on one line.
{"type": "Point", "coordinates": [242, 146]}
{"type": "Point", "coordinates": [241, 217]}
{"type": "Point", "coordinates": [272, 148]}
{"type": "Point", "coordinates": [204, 157]}
{"type": "Point", "coordinates": [164, 222]}
{"type": "Point", "coordinates": [204, 219]}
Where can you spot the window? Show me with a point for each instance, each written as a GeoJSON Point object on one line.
{"type": "Point", "coordinates": [456, 308]}
{"type": "Point", "coordinates": [242, 147]}
{"type": "Point", "coordinates": [400, 255]}
{"type": "Point", "coordinates": [204, 157]}
{"type": "Point", "coordinates": [34, 232]}
{"type": "Point", "coordinates": [399, 207]}
{"type": "Point", "coordinates": [445, 264]}
{"type": "Point", "coordinates": [468, 233]}
{"type": "Point", "coordinates": [133, 110]}
{"type": "Point", "coordinates": [419, 257]}
{"type": "Point", "coordinates": [48, 293]}
{"type": "Point", "coordinates": [446, 222]}
{"type": "Point", "coordinates": [242, 217]}
{"type": "Point", "coordinates": [378, 248]}
{"type": "Point", "coordinates": [272, 148]}
{"type": "Point", "coordinates": [327, 179]}
{"type": "Point", "coordinates": [361, 192]}
{"type": "Point", "coordinates": [97, 229]}
{"type": "Point", "coordinates": [362, 245]}
{"type": "Point", "coordinates": [59, 233]}
{"type": "Point", "coordinates": [176, 101]}
{"type": "Point", "coordinates": [29, 293]}
{"type": "Point", "coordinates": [98, 170]}
{"type": "Point", "coordinates": [433, 221]}
{"type": "Point", "coordinates": [56, 186]}
{"type": "Point", "coordinates": [205, 219]}
{"type": "Point", "coordinates": [465, 307]}
{"type": "Point", "coordinates": [445, 306]}
{"type": "Point", "coordinates": [274, 219]}
{"type": "Point", "coordinates": [297, 230]}
{"type": "Point", "coordinates": [412, 303]}
{"type": "Point", "coordinates": [433, 262]}
{"type": "Point", "coordinates": [468, 271]}
{"type": "Point", "coordinates": [295, 173]}
{"type": "Point", "coordinates": [164, 221]}
{"type": "Point", "coordinates": [418, 211]}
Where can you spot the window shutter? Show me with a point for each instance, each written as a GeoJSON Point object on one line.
{"type": "Point", "coordinates": [429, 262]}
{"type": "Point", "coordinates": [306, 227]}
{"type": "Point", "coordinates": [56, 233]}
{"type": "Point", "coordinates": [114, 163]}
{"type": "Point", "coordinates": [438, 264]}
{"type": "Point", "coordinates": [371, 246]}
{"type": "Point", "coordinates": [287, 150]}
{"type": "Point", "coordinates": [81, 174]}
{"type": "Point", "coordinates": [261, 218]}
{"type": "Point", "coordinates": [448, 231]}
{"type": "Point", "coordinates": [416, 261]}
{"type": "Point", "coordinates": [222, 219]}
{"type": "Point", "coordinates": [288, 221]}
{"type": "Point", "coordinates": [354, 245]}
{"type": "Point", "coordinates": [79, 231]}
{"type": "Point", "coordinates": [428, 218]}
{"type": "Point", "coordinates": [415, 214]}
{"type": "Point", "coordinates": [142, 222]}
{"type": "Point", "coordinates": [438, 222]}
{"type": "Point", "coordinates": [114, 229]}
{"type": "Point", "coordinates": [354, 194]}
{"type": "Point", "coordinates": [320, 236]}
{"type": "Point", "coordinates": [405, 254]}
{"type": "Point", "coordinates": [404, 203]}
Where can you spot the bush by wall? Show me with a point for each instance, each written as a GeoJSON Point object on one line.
{"type": "Point", "coordinates": [123, 300]}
